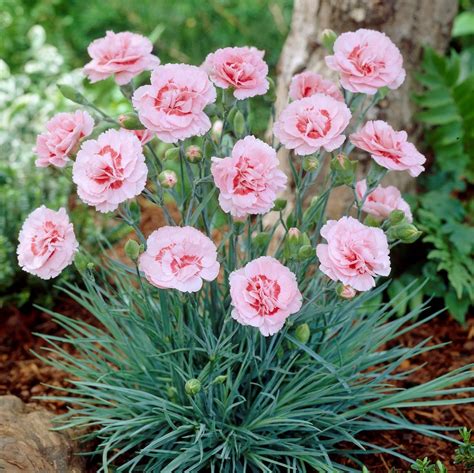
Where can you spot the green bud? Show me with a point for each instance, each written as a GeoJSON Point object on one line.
{"type": "Point", "coordinates": [132, 249]}
{"type": "Point", "coordinates": [130, 121]}
{"type": "Point", "coordinates": [172, 392]}
{"type": "Point", "coordinates": [72, 94]}
{"type": "Point", "coordinates": [343, 170]}
{"type": "Point", "coordinates": [168, 179]}
{"type": "Point", "coordinates": [279, 205]}
{"type": "Point", "coordinates": [171, 154]}
{"type": "Point", "coordinates": [293, 236]}
{"type": "Point", "coordinates": [270, 96]}
{"type": "Point", "coordinates": [220, 379]}
{"type": "Point", "coordinates": [396, 217]}
{"type": "Point", "coordinates": [405, 232]}
{"type": "Point", "coordinates": [306, 252]}
{"type": "Point", "coordinates": [328, 38]}
{"type": "Point", "coordinates": [262, 239]}
{"type": "Point", "coordinates": [194, 154]}
{"type": "Point", "coordinates": [192, 387]}
{"type": "Point", "coordinates": [372, 221]}
{"type": "Point", "coordinates": [90, 266]}
{"type": "Point", "coordinates": [239, 123]}
{"type": "Point", "coordinates": [345, 292]}
{"type": "Point", "coordinates": [290, 220]}
{"type": "Point", "coordinates": [310, 163]}
{"type": "Point", "coordinates": [302, 333]}
{"type": "Point", "coordinates": [80, 262]}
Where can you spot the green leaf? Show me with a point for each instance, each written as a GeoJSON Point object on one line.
{"type": "Point", "coordinates": [463, 24]}
{"type": "Point", "coordinates": [457, 307]}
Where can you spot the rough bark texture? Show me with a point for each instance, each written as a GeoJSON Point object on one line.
{"type": "Point", "coordinates": [411, 24]}
{"type": "Point", "coordinates": [28, 445]}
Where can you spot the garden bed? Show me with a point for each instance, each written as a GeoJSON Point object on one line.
{"type": "Point", "coordinates": [25, 376]}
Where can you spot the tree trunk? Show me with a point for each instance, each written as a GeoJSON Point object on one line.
{"type": "Point", "coordinates": [411, 24]}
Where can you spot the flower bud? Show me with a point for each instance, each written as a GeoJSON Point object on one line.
{"type": "Point", "coordinates": [343, 170]}
{"type": "Point", "coordinates": [371, 221]}
{"type": "Point", "coordinates": [405, 232]}
{"type": "Point", "coordinates": [193, 154]}
{"type": "Point", "coordinates": [192, 386]}
{"type": "Point", "coordinates": [220, 379]}
{"type": "Point", "coordinates": [302, 333]}
{"type": "Point", "coordinates": [306, 252]}
{"type": "Point", "coordinates": [132, 249]}
{"type": "Point", "coordinates": [239, 123]}
{"type": "Point", "coordinates": [81, 261]}
{"type": "Point", "coordinates": [171, 154]}
{"type": "Point", "coordinates": [396, 216]}
{"type": "Point", "coordinates": [72, 94]}
{"type": "Point", "coordinates": [216, 130]}
{"type": "Point", "coordinates": [90, 266]}
{"type": "Point", "coordinates": [294, 235]}
{"type": "Point", "coordinates": [310, 163]}
{"type": "Point", "coordinates": [130, 121]}
{"type": "Point", "coordinates": [168, 179]}
{"type": "Point", "coordinates": [262, 239]}
{"type": "Point", "coordinates": [172, 392]}
{"type": "Point", "coordinates": [328, 38]}
{"type": "Point", "coordinates": [279, 205]}
{"type": "Point", "coordinates": [345, 292]}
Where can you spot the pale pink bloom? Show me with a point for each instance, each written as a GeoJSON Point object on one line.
{"type": "Point", "coordinates": [311, 123]}
{"type": "Point", "coordinates": [173, 105]}
{"type": "Point", "coordinates": [123, 55]}
{"type": "Point", "coordinates": [309, 83]}
{"type": "Point", "coordinates": [46, 243]}
{"type": "Point", "coordinates": [264, 294]}
{"type": "Point", "coordinates": [354, 254]}
{"type": "Point", "coordinates": [389, 148]}
{"type": "Point", "coordinates": [64, 132]}
{"type": "Point", "coordinates": [179, 258]}
{"type": "Point", "coordinates": [110, 170]}
{"type": "Point", "coordinates": [382, 201]}
{"type": "Point", "coordinates": [367, 60]}
{"type": "Point", "coordinates": [249, 180]}
{"type": "Point", "coordinates": [242, 69]}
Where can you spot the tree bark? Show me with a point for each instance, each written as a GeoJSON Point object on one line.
{"type": "Point", "coordinates": [411, 24]}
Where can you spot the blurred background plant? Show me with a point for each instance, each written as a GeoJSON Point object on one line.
{"type": "Point", "coordinates": [444, 206]}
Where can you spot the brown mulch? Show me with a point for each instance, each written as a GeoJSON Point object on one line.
{"type": "Point", "coordinates": [22, 374]}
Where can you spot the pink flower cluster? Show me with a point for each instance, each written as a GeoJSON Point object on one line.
{"type": "Point", "coordinates": [354, 254]}
{"type": "Point", "coordinates": [179, 258]}
{"type": "Point", "coordinates": [389, 148]}
{"type": "Point", "coordinates": [123, 55]}
{"type": "Point", "coordinates": [264, 294]}
{"type": "Point", "coordinates": [249, 180]}
{"type": "Point", "coordinates": [110, 170]}
{"type": "Point", "coordinates": [173, 105]}
{"type": "Point", "coordinates": [311, 123]}
{"type": "Point", "coordinates": [64, 132]}
{"type": "Point", "coordinates": [382, 201]}
{"type": "Point", "coordinates": [367, 60]}
{"type": "Point", "coordinates": [242, 69]}
{"type": "Point", "coordinates": [47, 243]}
{"type": "Point", "coordinates": [309, 83]}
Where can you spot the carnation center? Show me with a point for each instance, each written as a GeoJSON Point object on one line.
{"type": "Point", "coordinates": [355, 261]}
{"type": "Point", "coordinates": [182, 265]}
{"type": "Point", "coordinates": [174, 100]}
{"type": "Point", "coordinates": [48, 239]}
{"type": "Point", "coordinates": [389, 150]}
{"type": "Point", "coordinates": [316, 125]}
{"type": "Point", "coordinates": [247, 179]}
{"type": "Point", "coordinates": [109, 171]}
{"type": "Point", "coordinates": [262, 295]}
{"type": "Point", "coordinates": [238, 72]}
{"type": "Point", "coordinates": [364, 61]}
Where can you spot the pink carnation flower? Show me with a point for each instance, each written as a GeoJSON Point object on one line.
{"type": "Point", "coordinates": [354, 254]}
{"type": "Point", "coordinates": [249, 180]}
{"type": "Point", "coordinates": [123, 55]}
{"type": "Point", "coordinates": [243, 69]}
{"type": "Point", "coordinates": [264, 294]}
{"type": "Point", "coordinates": [64, 131]}
{"type": "Point", "coordinates": [110, 170]}
{"type": "Point", "coordinates": [311, 123]}
{"type": "Point", "coordinates": [366, 61]}
{"type": "Point", "coordinates": [389, 148]}
{"type": "Point", "coordinates": [173, 105]}
{"type": "Point", "coordinates": [179, 258]}
{"type": "Point", "coordinates": [47, 243]}
{"type": "Point", "coordinates": [382, 201]}
{"type": "Point", "coordinates": [309, 83]}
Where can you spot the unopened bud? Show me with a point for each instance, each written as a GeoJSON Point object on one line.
{"type": "Point", "coordinates": [262, 239]}
{"type": "Point", "coordinates": [220, 379]}
{"type": "Point", "coordinates": [72, 94]}
{"type": "Point", "coordinates": [172, 392]}
{"type": "Point", "coordinates": [405, 232]}
{"type": "Point", "coordinates": [396, 216]}
{"type": "Point", "coordinates": [306, 252]}
{"type": "Point", "coordinates": [132, 249]}
{"type": "Point", "coordinates": [193, 154]}
{"type": "Point", "coordinates": [343, 170]}
{"type": "Point", "coordinates": [216, 130]}
{"type": "Point", "coordinates": [328, 38]}
{"type": "Point", "coordinates": [270, 96]}
{"type": "Point", "coordinates": [171, 154]}
{"type": "Point", "coordinates": [302, 333]}
{"type": "Point", "coordinates": [168, 179]}
{"type": "Point", "coordinates": [294, 235]}
{"type": "Point", "coordinates": [239, 123]}
{"type": "Point", "coordinates": [345, 292]}
{"type": "Point", "coordinates": [192, 387]}
{"type": "Point", "coordinates": [130, 121]}
{"type": "Point", "coordinates": [310, 163]}
{"type": "Point", "coordinates": [279, 205]}
{"type": "Point", "coordinates": [81, 261]}
{"type": "Point", "coordinates": [372, 221]}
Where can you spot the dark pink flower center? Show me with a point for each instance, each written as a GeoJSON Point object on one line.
{"type": "Point", "coordinates": [314, 127]}
{"type": "Point", "coordinates": [363, 61]}
{"type": "Point", "coordinates": [263, 293]}
{"type": "Point", "coordinates": [111, 174]}
{"type": "Point", "coordinates": [237, 72]}
{"type": "Point", "coordinates": [50, 237]}
{"type": "Point", "coordinates": [248, 179]}
{"type": "Point", "coordinates": [189, 265]}
{"type": "Point", "coordinates": [174, 100]}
